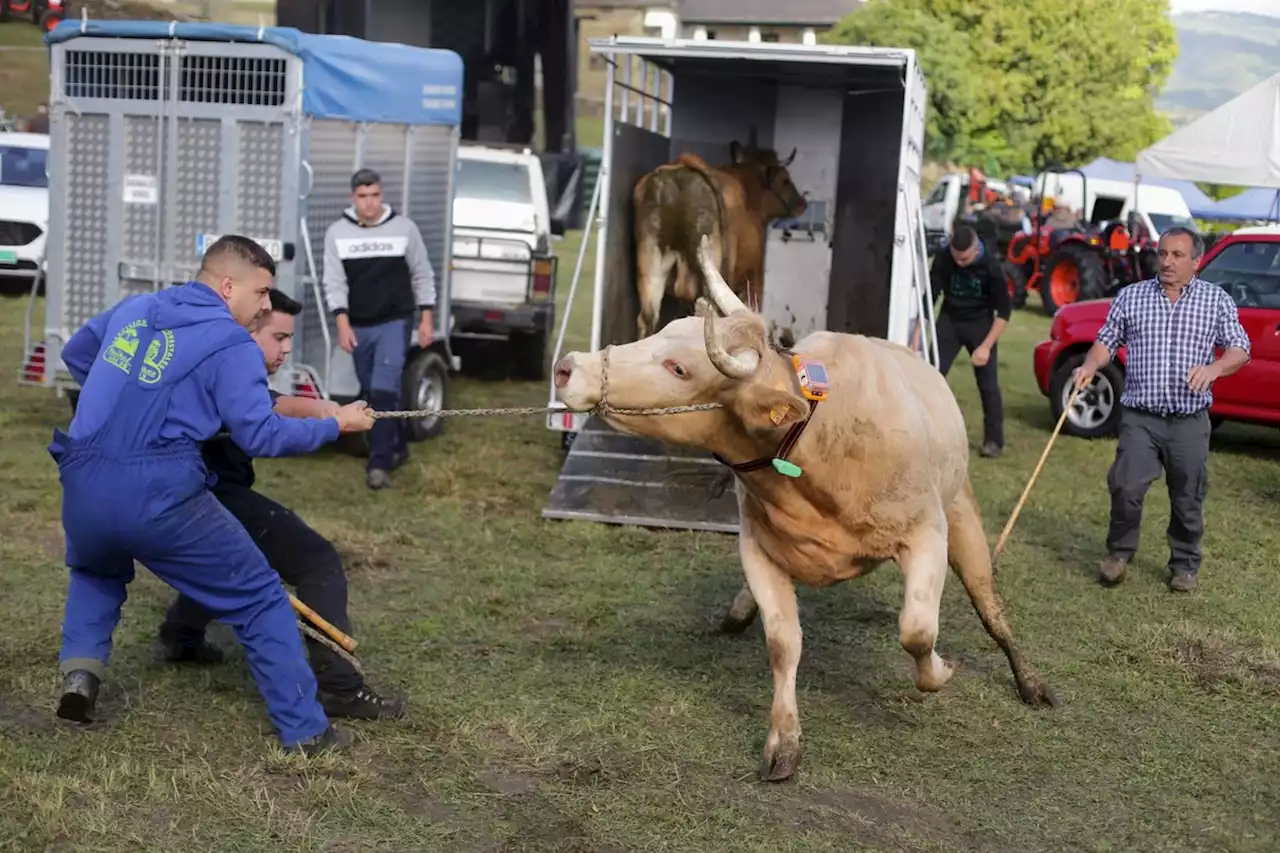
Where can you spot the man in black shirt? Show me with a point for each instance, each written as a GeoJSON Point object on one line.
{"type": "Point", "coordinates": [975, 311]}
{"type": "Point", "coordinates": [300, 555]}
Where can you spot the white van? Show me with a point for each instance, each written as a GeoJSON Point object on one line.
{"type": "Point", "coordinates": [24, 204]}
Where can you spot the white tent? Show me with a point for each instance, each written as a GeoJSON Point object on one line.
{"type": "Point", "coordinates": [1238, 143]}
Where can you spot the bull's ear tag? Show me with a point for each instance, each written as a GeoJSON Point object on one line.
{"type": "Point", "coordinates": [786, 469]}
{"type": "Point", "coordinates": [777, 413]}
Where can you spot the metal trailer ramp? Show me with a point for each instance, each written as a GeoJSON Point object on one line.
{"type": "Point", "coordinates": [620, 479]}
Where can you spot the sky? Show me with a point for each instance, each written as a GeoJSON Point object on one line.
{"type": "Point", "coordinates": [1261, 7]}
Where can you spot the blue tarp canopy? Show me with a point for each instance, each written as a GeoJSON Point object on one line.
{"type": "Point", "coordinates": [1105, 169]}
{"type": "Point", "coordinates": [343, 77]}
{"type": "Point", "coordinates": [1257, 203]}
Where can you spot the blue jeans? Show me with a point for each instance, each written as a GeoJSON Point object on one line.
{"type": "Point", "coordinates": [379, 356]}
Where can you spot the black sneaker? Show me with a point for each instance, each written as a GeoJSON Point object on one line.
{"type": "Point", "coordinates": [990, 450]}
{"type": "Point", "coordinates": [378, 479]}
{"type": "Point", "coordinates": [79, 696]}
{"type": "Point", "coordinates": [334, 739]}
{"type": "Point", "coordinates": [361, 704]}
{"type": "Point", "coordinates": [186, 650]}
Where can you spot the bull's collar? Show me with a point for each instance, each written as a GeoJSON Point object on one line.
{"type": "Point", "coordinates": [778, 461]}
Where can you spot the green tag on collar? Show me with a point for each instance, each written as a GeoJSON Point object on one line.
{"type": "Point", "coordinates": [785, 468]}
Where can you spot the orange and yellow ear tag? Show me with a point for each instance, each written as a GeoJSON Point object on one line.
{"type": "Point", "coordinates": [814, 384]}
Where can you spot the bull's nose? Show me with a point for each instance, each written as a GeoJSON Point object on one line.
{"type": "Point", "coordinates": [563, 370]}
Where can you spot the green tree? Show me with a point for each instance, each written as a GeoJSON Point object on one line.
{"type": "Point", "coordinates": [1024, 84]}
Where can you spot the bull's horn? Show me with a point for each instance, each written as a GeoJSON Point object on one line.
{"type": "Point", "coordinates": [790, 158]}
{"type": "Point", "coordinates": [730, 365]}
{"type": "Point", "coordinates": [702, 307]}
{"type": "Point", "coordinates": [721, 295]}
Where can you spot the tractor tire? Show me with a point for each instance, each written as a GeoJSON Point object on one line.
{"type": "Point", "coordinates": [1074, 273]}
{"type": "Point", "coordinates": [1016, 277]}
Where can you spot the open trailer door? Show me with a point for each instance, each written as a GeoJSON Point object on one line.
{"type": "Point", "coordinates": [853, 261]}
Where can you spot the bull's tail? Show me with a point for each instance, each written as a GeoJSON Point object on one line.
{"type": "Point", "coordinates": [698, 165]}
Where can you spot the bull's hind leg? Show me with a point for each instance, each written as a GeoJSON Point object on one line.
{"type": "Point", "coordinates": [653, 270]}
{"type": "Point", "coordinates": [775, 594]}
{"type": "Point", "coordinates": [971, 560]}
{"type": "Point", "coordinates": [924, 571]}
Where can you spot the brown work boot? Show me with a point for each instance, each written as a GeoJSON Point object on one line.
{"type": "Point", "coordinates": [1182, 581]}
{"type": "Point", "coordinates": [1112, 570]}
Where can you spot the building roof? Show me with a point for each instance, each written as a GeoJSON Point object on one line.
{"type": "Point", "coordinates": [747, 12]}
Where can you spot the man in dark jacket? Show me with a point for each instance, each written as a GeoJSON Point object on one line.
{"type": "Point", "coordinates": [379, 285]}
{"type": "Point", "coordinates": [975, 311]}
{"type": "Point", "coordinates": [300, 555]}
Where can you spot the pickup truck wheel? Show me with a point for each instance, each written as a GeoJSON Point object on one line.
{"type": "Point", "coordinates": [426, 380]}
{"type": "Point", "coordinates": [529, 355]}
{"type": "Point", "coordinates": [1096, 412]}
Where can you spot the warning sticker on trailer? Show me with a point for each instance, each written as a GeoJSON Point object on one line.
{"type": "Point", "coordinates": [275, 248]}
{"type": "Point", "coordinates": [141, 189]}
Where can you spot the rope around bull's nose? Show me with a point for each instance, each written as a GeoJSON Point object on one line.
{"type": "Point", "coordinates": [602, 409]}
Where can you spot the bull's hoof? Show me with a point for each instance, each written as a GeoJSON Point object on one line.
{"type": "Point", "coordinates": [781, 760]}
{"type": "Point", "coordinates": [933, 674]}
{"type": "Point", "coordinates": [781, 768]}
{"type": "Point", "coordinates": [1036, 692]}
{"type": "Point", "coordinates": [733, 626]}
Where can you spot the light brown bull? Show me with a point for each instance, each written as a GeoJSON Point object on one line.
{"type": "Point", "coordinates": [677, 204]}
{"type": "Point", "coordinates": [885, 477]}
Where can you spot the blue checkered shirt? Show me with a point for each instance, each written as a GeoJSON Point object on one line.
{"type": "Point", "coordinates": [1163, 340]}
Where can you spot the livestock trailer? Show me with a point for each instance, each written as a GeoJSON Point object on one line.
{"type": "Point", "coordinates": [166, 135]}
{"type": "Point", "coordinates": [855, 261]}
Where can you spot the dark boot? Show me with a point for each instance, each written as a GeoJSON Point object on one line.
{"type": "Point", "coordinates": [1112, 570]}
{"type": "Point", "coordinates": [1182, 581]}
{"type": "Point", "coordinates": [79, 696]}
{"type": "Point", "coordinates": [334, 739]}
{"type": "Point", "coordinates": [990, 450]}
{"type": "Point", "coordinates": [189, 649]}
{"type": "Point", "coordinates": [361, 704]}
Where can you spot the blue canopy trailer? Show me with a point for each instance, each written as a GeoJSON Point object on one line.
{"type": "Point", "coordinates": [166, 135]}
{"type": "Point", "coordinates": [855, 261]}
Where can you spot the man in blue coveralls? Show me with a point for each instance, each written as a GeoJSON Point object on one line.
{"type": "Point", "coordinates": [160, 373]}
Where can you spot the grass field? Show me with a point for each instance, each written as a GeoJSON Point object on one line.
{"type": "Point", "coordinates": [566, 695]}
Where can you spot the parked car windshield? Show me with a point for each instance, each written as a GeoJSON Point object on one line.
{"type": "Point", "coordinates": [1250, 272]}
{"type": "Point", "coordinates": [23, 167]}
{"type": "Point", "coordinates": [1164, 221]}
{"type": "Point", "coordinates": [485, 180]}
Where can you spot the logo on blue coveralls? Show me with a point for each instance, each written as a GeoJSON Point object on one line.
{"type": "Point", "coordinates": [124, 346]}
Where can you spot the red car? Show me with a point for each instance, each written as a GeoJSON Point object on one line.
{"type": "Point", "coordinates": [1246, 263]}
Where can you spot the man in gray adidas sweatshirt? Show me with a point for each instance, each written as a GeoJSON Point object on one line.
{"type": "Point", "coordinates": [378, 282]}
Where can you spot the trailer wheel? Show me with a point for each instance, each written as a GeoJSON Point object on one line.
{"type": "Point", "coordinates": [425, 385]}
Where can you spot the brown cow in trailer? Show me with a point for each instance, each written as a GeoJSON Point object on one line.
{"type": "Point", "coordinates": [827, 490]}
{"type": "Point", "coordinates": [677, 204]}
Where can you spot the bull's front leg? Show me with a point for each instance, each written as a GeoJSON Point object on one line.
{"type": "Point", "coordinates": [924, 571]}
{"type": "Point", "coordinates": [775, 595]}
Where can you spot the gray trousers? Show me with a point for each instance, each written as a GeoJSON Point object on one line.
{"type": "Point", "coordinates": [1148, 444]}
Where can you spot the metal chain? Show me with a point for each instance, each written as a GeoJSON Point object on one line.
{"type": "Point", "coordinates": [601, 408]}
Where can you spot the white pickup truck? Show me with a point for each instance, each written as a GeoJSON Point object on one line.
{"type": "Point", "coordinates": [503, 270]}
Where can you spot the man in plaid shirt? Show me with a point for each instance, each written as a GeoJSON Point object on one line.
{"type": "Point", "coordinates": [1170, 326]}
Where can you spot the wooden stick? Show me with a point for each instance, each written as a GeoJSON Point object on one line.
{"type": "Point", "coordinates": [1013, 517]}
{"type": "Point", "coordinates": [316, 619]}
{"type": "Point", "coordinates": [325, 641]}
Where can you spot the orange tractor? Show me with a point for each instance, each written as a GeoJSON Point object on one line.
{"type": "Point", "coordinates": [45, 14]}
{"type": "Point", "coordinates": [1070, 261]}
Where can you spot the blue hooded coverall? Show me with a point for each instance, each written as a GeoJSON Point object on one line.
{"type": "Point", "coordinates": [159, 374]}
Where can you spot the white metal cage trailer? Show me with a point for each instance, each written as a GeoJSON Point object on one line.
{"type": "Point", "coordinates": [854, 261]}
{"type": "Point", "coordinates": [166, 135]}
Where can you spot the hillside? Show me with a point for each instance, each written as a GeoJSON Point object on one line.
{"type": "Point", "coordinates": [1221, 54]}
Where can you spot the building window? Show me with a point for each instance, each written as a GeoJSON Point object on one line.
{"type": "Point", "coordinates": [711, 34]}
{"type": "Point", "coordinates": [772, 38]}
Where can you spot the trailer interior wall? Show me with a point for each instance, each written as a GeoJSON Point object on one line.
{"type": "Point", "coordinates": [846, 124]}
